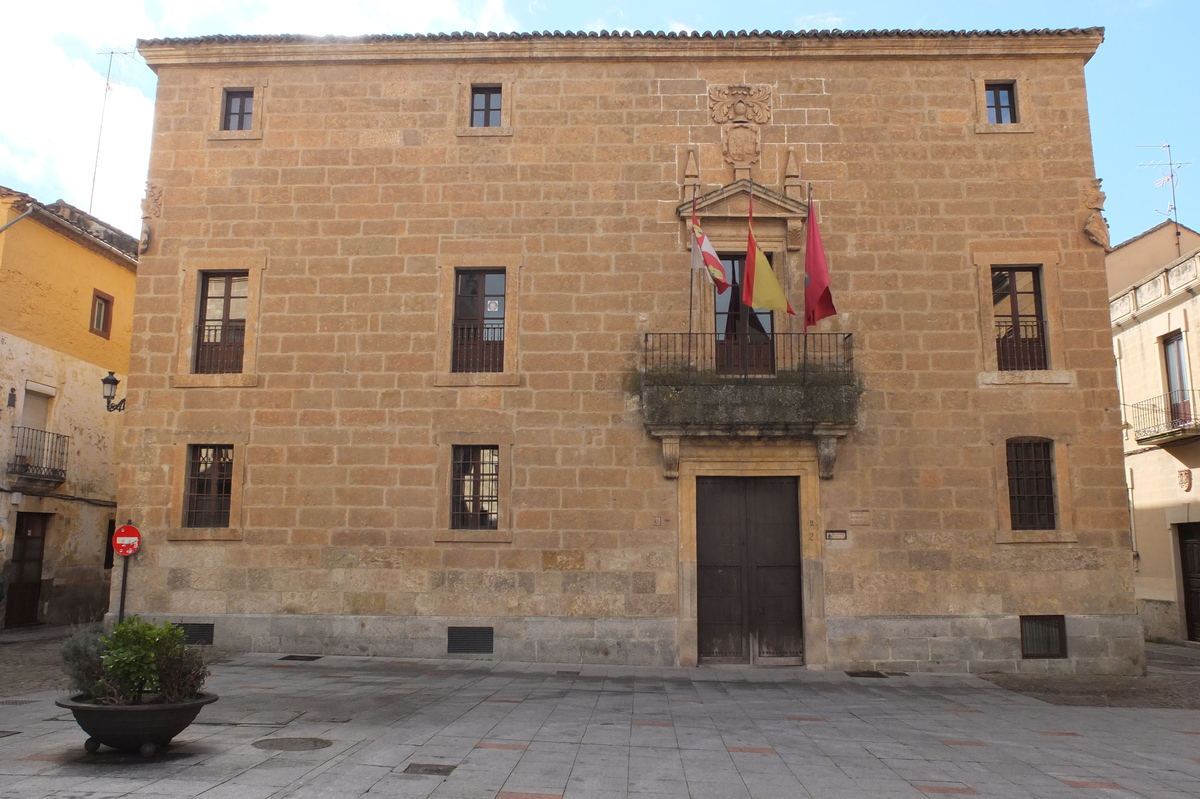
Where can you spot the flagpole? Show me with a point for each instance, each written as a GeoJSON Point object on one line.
{"type": "Point", "coordinates": [804, 324]}
{"type": "Point", "coordinates": [691, 282]}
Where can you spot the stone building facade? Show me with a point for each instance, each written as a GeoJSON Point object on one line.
{"type": "Point", "coordinates": [1155, 276]}
{"type": "Point", "coordinates": [66, 310]}
{"type": "Point", "coordinates": [420, 367]}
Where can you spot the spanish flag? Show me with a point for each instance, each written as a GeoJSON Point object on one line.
{"type": "Point", "coordinates": [760, 289]}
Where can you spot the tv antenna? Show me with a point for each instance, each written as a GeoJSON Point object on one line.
{"type": "Point", "coordinates": [1170, 177]}
{"type": "Point", "coordinates": [103, 107]}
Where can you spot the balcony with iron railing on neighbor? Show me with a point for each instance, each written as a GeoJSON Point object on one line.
{"type": "Point", "coordinates": [39, 460]}
{"type": "Point", "coordinates": [724, 383]}
{"type": "Point", "coordinates": [1171, 418]}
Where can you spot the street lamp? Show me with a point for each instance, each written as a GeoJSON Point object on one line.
{"type": "Point", "coordinates": [110, 384]}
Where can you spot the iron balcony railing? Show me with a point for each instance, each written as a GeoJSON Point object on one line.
{"type": "Point", "coordinates": [219, 347]}
{"type": "Point", "coordinates": [478, 347]}
{"type": "Point", "coordinates": [690, 358]}
{"type": "Point", "coordinates": [39, 454]}
{"type": "Point", "coordinates": [1175, 411]}
{"type": "Point", "coordinates": [1020, 347]}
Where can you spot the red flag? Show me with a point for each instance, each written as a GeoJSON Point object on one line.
{"type": "Point", "coordinates": [818, 300]}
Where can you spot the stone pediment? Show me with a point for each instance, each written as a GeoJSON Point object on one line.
{"type": "Point", "coordinates": [732, 201]}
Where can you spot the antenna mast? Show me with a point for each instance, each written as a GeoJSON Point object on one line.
{"type": "Point", "coordinates": [1169, 178]}
{"type": "Point", "coordinates": [103, 108]}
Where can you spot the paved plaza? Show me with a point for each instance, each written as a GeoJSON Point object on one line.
{"type": "Point", "coordinates": [377, 727]}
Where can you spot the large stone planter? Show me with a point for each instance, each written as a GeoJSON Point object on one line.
{"type": "Point", "coordinates": [134, 728]}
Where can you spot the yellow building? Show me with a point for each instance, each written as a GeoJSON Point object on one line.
{"type": "Point", "coordinates": [1153, 279]}
{"type": "Point", "coordinates": [66, 314]}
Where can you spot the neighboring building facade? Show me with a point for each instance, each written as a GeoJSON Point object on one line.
{"type": "Point", "coordinates": [418, 369]}
{"type": "Point", "coordinates": [66, 312]}
{"type": "Point", "coordinates": [1155, 279]}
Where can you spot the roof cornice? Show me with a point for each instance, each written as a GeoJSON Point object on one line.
{"type": "Point", "coordinates": [220, 49]}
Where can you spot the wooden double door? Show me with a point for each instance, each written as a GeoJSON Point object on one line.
{"type": "Point", "coordinates": [1189, 558]}
{"type": "Point", "coordinates": [25, 574]}
{"type": "Point", "coordinates": [748, 569]}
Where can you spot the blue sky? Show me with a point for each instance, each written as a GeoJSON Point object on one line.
{"type": "Point", "coordinates": [1141, 84]}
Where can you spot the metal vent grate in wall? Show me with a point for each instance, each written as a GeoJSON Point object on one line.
{"type": "Point", "coordinates": [470, 640]}
{"type": "Point", "coordinates": [197, 633]}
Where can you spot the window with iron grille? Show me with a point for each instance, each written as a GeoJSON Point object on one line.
{"type": "Point", "coordinates": [101, 316]}
{"type": "Point", "coordinates": [1031, 483]}
{"type": "Point", "coordinates": [475, 487]}
{"type": "Point", "coordinates": [1043, 637]}
{"type": "Point", "coordinates": [1020, 320]}
{"type": "Point", "coordinates": [221, 328]}
{"type": "Point", "coordinates": [209, 485]}
{"type": "Point", "coordinates": [485, 106]}
{"type": "Point", "coordinates": [238, 110]}
{"type": "Point", "coordinates": [478, 329]}
{"type": "Point", "coordinates": [1001, 102]}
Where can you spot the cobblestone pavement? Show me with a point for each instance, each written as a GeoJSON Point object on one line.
{"type": "Point", "coordinates": [540, 731]}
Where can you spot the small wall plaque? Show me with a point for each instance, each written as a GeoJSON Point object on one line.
{"type": "Point", "coordinates": [835, 535]}
{"type": "Point", "coordinates": [860, 518]}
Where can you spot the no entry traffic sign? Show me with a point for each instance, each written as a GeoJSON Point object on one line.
{"type": "Point", "coordinates": [126, 540]}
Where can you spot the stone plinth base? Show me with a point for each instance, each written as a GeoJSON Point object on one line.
{"type": "Point", "coordinates": [634, 642]}
{"type": "Point", "coordinates": [1095, 644]}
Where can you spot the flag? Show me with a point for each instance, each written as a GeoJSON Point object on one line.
{"type": "Point", "coordinates": [818, 300]}
{"type": "Point", "coordinates": [705, 257]}
{"type": "Point", "coordinates": [760, 289]}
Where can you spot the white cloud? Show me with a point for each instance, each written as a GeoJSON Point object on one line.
{"type": "Point", "coordinates": [826, 20]}
{"type": "Point", "coordinates": [54, 87]}
{"type": "Point", "coordinates": [680, 27]}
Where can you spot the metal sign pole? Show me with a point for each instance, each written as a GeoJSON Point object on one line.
{"type": "Point", "coordinates": [124, 580]}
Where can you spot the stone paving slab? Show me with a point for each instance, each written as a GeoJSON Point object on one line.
{"type": "Point", "coordinates": [527, 731]}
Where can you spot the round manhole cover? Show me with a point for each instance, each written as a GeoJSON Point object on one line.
{"type": "Point", "coordinates": [292, 744]}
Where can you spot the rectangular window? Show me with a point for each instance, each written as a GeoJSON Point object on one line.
{"type": "Point", "coordinates": [1001, 103]}
{"type": "Point", "coordinates": [475, 487]}
{"type": "Point", "coordinates": [1043, 637]}
{"type": "Point", "coordinates": [485, 106]}
{"type": "Point", "coordinates": [744, 335]}
{"type": "Point", "coordinates": [478, 330]}
{"type": "Point", "coordinates": [1179, 396]}
{"type": "Point", "coordinates": [221, 329]}
{"type": "Point", "coordinates": [209, 485]}
{"type": "Point", "coordinates": [237, 112]}
{"type": "Point", "coordinates": [1031, 483]}
{"type": "Point", "coordinates": [1020, 319]}
{"type": "Point", "coordinates": [101, 315]}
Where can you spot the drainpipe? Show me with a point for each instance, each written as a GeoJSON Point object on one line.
{"type": "Point", "coordinates": [32, 208]}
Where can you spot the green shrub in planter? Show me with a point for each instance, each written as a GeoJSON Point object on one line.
{"type": "Point", "coordinates": [137, 662]}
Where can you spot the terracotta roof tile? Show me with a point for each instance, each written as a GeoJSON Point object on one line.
{"type": "Point", "coordinates": [292, 38]}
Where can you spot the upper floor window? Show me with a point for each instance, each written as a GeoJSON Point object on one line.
{"type": "Point", "coordinates": [209, 488]}
{"type": "Point", "coordinates": [1179, 395]}
{"type": "Point", "coordinates": [237, 112]}
{"type": "Point", "coordinates": [1020, 319]}
{"type": "Point", "coordinates": [1001, 102]}
{"type": "Point", "coordinates": [1031, 494]}
{"type": "Point", "coordinates": [744, 335]}
{"type": "Point", "coordinates": [221, 327]}
{"type": "Point", "coordinates": [485, 106]}
{"type": "Point", "coordinates": [101, 315]}
{"type": "Point", "coordinates": [478, 329]}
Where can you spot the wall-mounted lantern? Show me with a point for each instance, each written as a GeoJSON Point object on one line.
{"type": "Point", "coordinates": [110, 384]}
{"type": "Point", "coordinates": [12, 398]}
